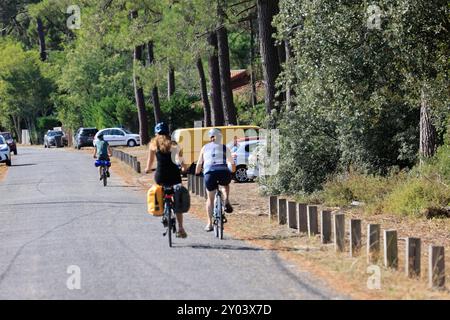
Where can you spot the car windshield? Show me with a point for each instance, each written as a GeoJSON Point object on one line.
{"type": "Point", "coordinates": [55, 133]}
{"type": "Point", "coordinates": [7, 136]}
{"type": "Point", "coordinates": [127, 131]}
{"type": "Point", "coordinates": [87, 132]}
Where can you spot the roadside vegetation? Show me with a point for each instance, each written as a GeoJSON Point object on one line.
{"type": "Point", "coordinates": [361, 101]}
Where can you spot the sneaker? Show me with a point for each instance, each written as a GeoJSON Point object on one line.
{"type": "Point", "coordinates": [209, 228]}
{"type": "Point", "coordinates": [181, 234]}
{"type": "Point", "coordinates": [101, 178]}
{"type": "Point", "coordinates": [228, 208]}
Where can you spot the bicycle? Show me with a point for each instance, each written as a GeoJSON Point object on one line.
{"type": "Point", "coordinates": [169, 220]}
{"type": "Point", "coordinates": [219, 217]}
{"type": "Point", "coordinates": [104, 164]}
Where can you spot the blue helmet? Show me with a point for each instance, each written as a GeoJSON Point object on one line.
{"type": "Point", "coordinates": [162, 128]}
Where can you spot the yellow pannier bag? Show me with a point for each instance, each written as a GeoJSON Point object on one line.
{"type": "Point", "coordinates": [155, 203]}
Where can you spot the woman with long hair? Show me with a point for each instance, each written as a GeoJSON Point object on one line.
{"type": "Point", "coordinates": [168, 157]}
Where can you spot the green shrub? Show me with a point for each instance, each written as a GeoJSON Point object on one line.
{"type": "Point", "coordinates": [415, 195]}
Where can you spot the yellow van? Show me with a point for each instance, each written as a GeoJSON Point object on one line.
{"type": "Point", "coordinates": [192, 140]}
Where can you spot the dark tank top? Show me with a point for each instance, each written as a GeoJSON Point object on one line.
{"type": "Point", "coordinates": [167, 172]}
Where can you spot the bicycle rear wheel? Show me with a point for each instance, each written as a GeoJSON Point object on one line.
{"type": "Point", "coordinates": [105, 177]}
{"type": "Point", "coordinates": [169, 226]}
{"type": "Point", "coordinates": [218, 217]}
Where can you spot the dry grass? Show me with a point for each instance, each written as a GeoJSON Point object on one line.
{"type": "Point", "coordinates": [250, 223]}
{"type": "Point", "coordinates": [3, 172]}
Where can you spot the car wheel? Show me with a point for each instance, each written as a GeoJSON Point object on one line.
{"type": "Point", "coordinates": [241, 174]}
{"type": "Point", "coordinates": [8, 163]}
{"type": "Point", "coordinates": [131, 143]}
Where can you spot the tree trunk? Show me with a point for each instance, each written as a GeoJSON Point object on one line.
{"type": "Point", "coordinates": [217, 116]}
{"type": "Point", "coordinates": [170, 83]}
{"type": "Point", "coordinates": [269, 53]}
{"type": "Point", "coordinates": [225, 77]}
{"type": "Point", "coordinates": [254, 97]}
{"type": "Point", "coordinates": [139, 93]}
{"type": "Point", "coordinates": [427, 130]}
{"type": "Point", "coordinates": [41, 36]}
{"type": "Point", "coordinates": [155, 93]}
{"type": "Point", "coordinates": [205, 99]}
{"type": "Point", "coordinates": [289, 90]}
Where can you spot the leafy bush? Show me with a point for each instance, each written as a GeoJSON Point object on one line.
{"type": "Point", "coordinates": [415, 195]}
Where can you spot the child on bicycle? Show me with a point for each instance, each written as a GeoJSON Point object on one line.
{"type": "Point", "coordinates": [167, 153]}
{"type": "Point", "coordinates": [104, 152]}
{"type": "Point", "coordinates": [214, 157]}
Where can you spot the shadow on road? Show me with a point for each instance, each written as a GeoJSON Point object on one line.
{"type": "Point", "coordinates": [24, 165]}
{"type": "Point", "coordinates": [221, 247]}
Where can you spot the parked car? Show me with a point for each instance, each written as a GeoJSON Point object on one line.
{"type": "Point", "coordinates": [54, 138]}
{"type": "Point", "coordinates": [118, 137]}
{"type": "Point", "coordinates": [253, 163]}
{"type": "Point", "coordinates": [84, 137]}
{"type": "Point", "coordinates": [10, 141]}
{"type": "Point", "coordinates": [5, 152]}
{"type": "Point", "coordinates": [240, 155]}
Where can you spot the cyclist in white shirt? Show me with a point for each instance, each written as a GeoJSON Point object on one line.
{"type": "Point", "coordinates": [215, 158]}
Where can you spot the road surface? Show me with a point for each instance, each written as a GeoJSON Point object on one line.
{"type": "Point", "coordinates": [61, 230]}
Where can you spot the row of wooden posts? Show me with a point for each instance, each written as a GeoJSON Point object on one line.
{"type": "Point", "coordinates": [128, 159]}
{"type": "Point", "coordinates": [196, 185]}
{"type": "Point", "coordinates": [305, 219]}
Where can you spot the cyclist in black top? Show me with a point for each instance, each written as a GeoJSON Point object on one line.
{"type": "Point", "coordinates": [169, 160]}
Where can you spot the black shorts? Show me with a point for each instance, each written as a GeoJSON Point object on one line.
{"type": "Point", "coordinates": [104, 158]}
{"type": "Point", "coordinates": [215, 178]}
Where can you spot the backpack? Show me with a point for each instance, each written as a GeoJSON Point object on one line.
{"type": "Point", "coordinates": [182, 199]}
{"type": "Point", "coordinates": [155, 203]}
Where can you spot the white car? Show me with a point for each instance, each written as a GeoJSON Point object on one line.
{"type": "Point", "coordinates": [240, 155]}
{"type": "Point", "coordinates": [5, 152]}
{"type": "Point", "coordinates": [118, 137]}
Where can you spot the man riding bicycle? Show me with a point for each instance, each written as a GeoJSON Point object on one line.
{"type": "Point", "coordinates": [103, 151]}
{"type": "Point", "coordinates": [215, 158]}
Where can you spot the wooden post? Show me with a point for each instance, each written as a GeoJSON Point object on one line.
{"type": "Point", "coordinates": [339, 232]}
{"type": "Point", "coordinates": [325, 227]}
{"type": "Point", "coordinates": [302, 217]}
{"type": "Point", "coordinates": [412, 260]}
{"type": "Point", "coordinates": [202, 187]}
{"type": "Point", "coordinates": [197, 185]}
{"type": "Point", "coordinates": [373, 243]}
{"type": "Point", "coordinates": [436, 267]}
{"type": "Point", "coordinates": [282, 211]}
{"type": "Point", "coordinates": [273, 201]}
{"type": "Point", "coordinates": [390, 249]}
{"type": "Point", "coordinates": [292, 215]}
{"type": "Point", "coordinates": [138, 167]}
{"type": "Point", "coordinates": [193, 184]}
{"type": "Point", "coordinates": [313, 225]}
{"type": "Point", "coordinates": [355, 237]}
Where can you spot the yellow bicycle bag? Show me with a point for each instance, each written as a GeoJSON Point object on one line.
{"type": "Point", "coordinates": [155, 203]}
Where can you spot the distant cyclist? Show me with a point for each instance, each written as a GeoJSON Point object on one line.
{"type": "Point", "coordinates": [169, 159]}
{"type": "Point", "coordinates": [103, 151]}
{"type": "Point", "coordinates": [215, 158]}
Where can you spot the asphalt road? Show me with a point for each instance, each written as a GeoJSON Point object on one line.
{"type": "Point", "coordinates": [55, 213]}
